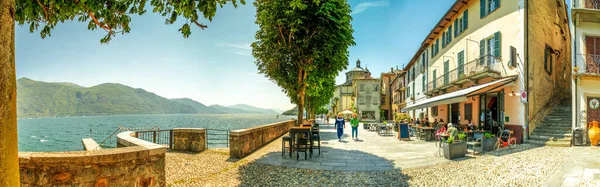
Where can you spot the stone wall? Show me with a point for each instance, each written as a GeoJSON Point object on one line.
{"type": "Point", "coordinates": [245, 141]}
{"type": "Point", "coordinates": [137, 163]}
{"type": "Point", "coordinates": [547, 25]}
{"type": "Point", "coordinates": [189, 139]}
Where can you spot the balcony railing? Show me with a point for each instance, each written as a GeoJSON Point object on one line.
{"type": "Point", "coordinates": [590, 63]}
{"type": "Point", "coordinates": [471, 69]}
{"type": "Point", "coordinates": [591, 4]}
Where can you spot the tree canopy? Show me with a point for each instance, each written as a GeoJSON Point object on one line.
{"type": "Point", "coordinates": [297, 37]}
{"type": "Point", "coordinates": [112, 16]}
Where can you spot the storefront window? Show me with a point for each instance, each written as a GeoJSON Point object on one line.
{"type": "Point", "coordinates": [368, 115]}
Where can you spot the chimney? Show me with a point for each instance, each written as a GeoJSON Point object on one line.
{"type": "Point", "coordinates": [396, 67]}
{"type": "Point", "coordinates": [392, 70]}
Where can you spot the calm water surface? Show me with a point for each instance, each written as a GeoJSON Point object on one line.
{"type": "Point", "coordinates": [65, 133]}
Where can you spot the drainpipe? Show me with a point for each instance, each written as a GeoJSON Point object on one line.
{"type": "Point", "coordinates": [526, 137]}
{"type": "Point", "coordinates": [576, 108]}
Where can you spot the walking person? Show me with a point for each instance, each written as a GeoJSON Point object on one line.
{"type": "Point", "coordinates": [327, 121]}
{"type": "Point", "coordinates": [340, 124]}
{"type": "Point", "coordinates": [354, 124]}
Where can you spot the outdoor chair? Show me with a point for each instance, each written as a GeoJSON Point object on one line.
{"type": "Point", "coordinates": [420, 133]}
{"type": "Point", "coordinates": [302, 145]}
{"type": "Point", "coordinates": [317, 138]}
{"type": "Point", "coordinates": [285, 140]}
{"type": "Point", "coordinates": [477, 138]}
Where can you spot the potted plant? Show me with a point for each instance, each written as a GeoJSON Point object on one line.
{"type": "Point", "coordinates": [462, 76]}
{"type": "Point", "coordinates": [455, 149]}
{"type": "Point", "coordinates": [488, 142]}
{"type": "Point", "coordinates": [576, 69]}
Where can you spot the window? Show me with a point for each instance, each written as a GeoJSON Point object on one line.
{"type": "Point", "coordinates": [368, 115]}
{"type": "Point", "coordinates": [486, 7]}
{"type": "Point", "coordinates": [361, 100]}
{"type": "Point", "coordinates": [461, 24]}
{"type": "Point", "coordinates": [362, 87]}
{"type": "Point", "coordinates": [444, 39]}
{"type": "Point", "coordinates": [375, 101]}
{"type": "Point", "coordinates": [423, 84]}
{"type": "Point", "coordinates": [446, 70]}
{"type": "Point", "coordinates": [375, 87]}
{"type": "Point", "coordinates": [493, 48]}
{"type": "Point", "coordinates": [548, 59]}
{"type": "Point", "coordinates": [469, 111]}
{"type": "Point", "coordinates": [592, 45]}
{"type": "Point", "coordinates": [461, 63]}
{"type": "Point", "coordinates": [434, 111]}
{"type": "Point", "coordinates": [433, 81]}
{"type": "Point", "coordinates": [408, 92]}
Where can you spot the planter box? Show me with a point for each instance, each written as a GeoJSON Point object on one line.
{"type": "Point", "coordinates": [455, 150]}
{"type": "Point", "coordinates": [488, 144]}
{"type": "Point", "coordinates": [365, 126]}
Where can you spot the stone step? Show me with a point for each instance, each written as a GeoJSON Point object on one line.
{"type": "Point", "coordinates": [550, 143]}
{"type": "Point", "coordinates": [550, 138]}
{"type": "Point", "coordinates": [557, 119]}
{"type": "Point", "coordinates": [556, 123]}
{"type": "Point", "coordinates": [560, 114]}
{"type": "Point", "coordinates": [557, 135]}
{"type": "Point", "coordinates": [551, 131]}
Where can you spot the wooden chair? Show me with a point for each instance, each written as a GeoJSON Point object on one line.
{"type": "Point", "coordinates": [302, 145]}
{"type": "Point", "coordinates": [284, 140]}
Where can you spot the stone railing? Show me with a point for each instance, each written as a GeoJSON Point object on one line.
{"type": "Point", "coordinates": [189, 139]}
{"type": "Point", "coordinates": [244, 141]}
{"type": "Point", "coordinates": [135, 163]}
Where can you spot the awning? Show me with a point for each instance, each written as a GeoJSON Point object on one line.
{"type": "Point", "coordinates": [457, 96]}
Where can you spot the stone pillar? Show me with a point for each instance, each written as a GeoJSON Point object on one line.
{"type": "Point", "coordinates": [189, 139]}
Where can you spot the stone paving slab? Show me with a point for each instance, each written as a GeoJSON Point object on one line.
{"type": "Point", "coordinates": [370, 152]}
{"type": "Point", "coordinates": [580, 168]}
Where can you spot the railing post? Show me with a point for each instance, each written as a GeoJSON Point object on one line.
{"type": "Point", "coordinates": [171, 139]}
{"type": "Point", "coordinates": [153, 136]}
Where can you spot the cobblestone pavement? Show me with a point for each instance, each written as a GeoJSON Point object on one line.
{"type": "Point", "coordinates": [525, 165]}
{"type": "Point", "coordinates": [580, 168]}
{"type": "Point", "coordinates": [370, 152]}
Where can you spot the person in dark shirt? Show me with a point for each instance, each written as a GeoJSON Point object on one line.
{"type": "Point", "coordinates": [340, 124]}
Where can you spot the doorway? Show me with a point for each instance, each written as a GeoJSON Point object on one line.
{"type": "Point", "coordinates": [593, 109]}
{"type": "Point", "coordinates": [491, 111]}
{"type": "Point", "coordinates": [454, 113]}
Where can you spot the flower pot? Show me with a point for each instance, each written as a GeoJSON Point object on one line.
{"type": "Point", "coordinates": [488, 144]}
{"type": "Point", "coordinates": [455, 150]}
{"type": "Point", "coordinates": [594, 133]}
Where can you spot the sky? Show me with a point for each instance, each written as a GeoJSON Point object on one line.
{"type": "Point", "coordinates": [215, 65]}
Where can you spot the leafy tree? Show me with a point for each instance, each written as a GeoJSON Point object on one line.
{"type": "Point", "coordinates": [319, 92]}
{"type": "Point", "coordinates": [297, 37]}
{"type": "Point", "coordinates": [109, 15]}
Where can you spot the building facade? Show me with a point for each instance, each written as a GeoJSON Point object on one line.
{"type": "Point", "coordinates": [368, 96]}
{"type": "Point", "coordinates": [346, 94]}
{"type": "Point", "coordinates": [387, 94]}
{"type": "Point", "coordinates": [398, 92]}
{"type": "Point", "coordinates": [477, 62]}
{"type": "Point", "coordinates": [585, 27]}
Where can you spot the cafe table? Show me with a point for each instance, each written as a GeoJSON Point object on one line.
{"type": "Point", "coordinates": [299, 130]}
{"type": "Point", "coordinates": [430, 131]}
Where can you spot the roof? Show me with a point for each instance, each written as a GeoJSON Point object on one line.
{"type": "Point", "coordinates": [445, 20]}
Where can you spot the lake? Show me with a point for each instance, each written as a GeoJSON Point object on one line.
{"type": "Point", "coordinates": [65, 133]}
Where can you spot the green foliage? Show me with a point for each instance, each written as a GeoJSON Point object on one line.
{"type": "Point", "coordinates": [462, 136]}
{"type": "Point", "coordinates": [112, 16]}
{"type": "Point", "coordinates": [385, 122]}
{"type": "Point", "coordinates": [488, 135]}
{"type": "Point", "coordinates": [322, 110]}
{"type": "Point", "coordinates": [292, 111]}
{"type": "Point", "coordinates": [450, 140]}
{"type": "Point", "coordinates": [302, 43]}
{"type": "Point", "coordinates": [402, 117]}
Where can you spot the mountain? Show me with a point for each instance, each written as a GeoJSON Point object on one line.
{"type": "Point", "coordinates": [230, 110]}
{"type": "Point", "coordinates": [279, 111]}
{"type": "Point", "coordinates": [43, 99]}
{"type": "Point", "coordinates": [254, 109]}
{"type": "Point", "coordinates": [199, 107]}
{"type": "Point", "coordinates": [293, 111]}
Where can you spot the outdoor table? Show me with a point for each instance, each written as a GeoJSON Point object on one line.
{"type": "Point", "coordinates": [430, 132]}
{"type": "Point", "coordinates": [471, 132]}
{"type": "Point", "coordinates": [301, 129]}
{"type": "Point", "coordinates": [442, 136]}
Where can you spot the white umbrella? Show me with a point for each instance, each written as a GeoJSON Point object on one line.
{"type": "Point", "coordinates": [347, 112]}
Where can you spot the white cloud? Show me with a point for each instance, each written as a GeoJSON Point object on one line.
{"type": "Point", "coordinates": [361, 7]}
{"type": "Point", "coordinates": [239, 49]}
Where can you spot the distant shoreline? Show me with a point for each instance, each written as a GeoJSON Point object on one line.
{"type": "Point", "coordinates": [49, 117]}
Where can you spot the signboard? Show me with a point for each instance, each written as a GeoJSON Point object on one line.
{"type": "Point", "coordinates": [403, 131]}
{"type": "Point", "coordinates": [523, 97]}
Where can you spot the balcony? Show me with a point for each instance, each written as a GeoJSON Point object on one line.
{"type": "Point", "coordinates": [588, 10]}
{"type": "Point", "coordinates": [589, 65]}
{"type": "Point", "coordinates": [487, 66]}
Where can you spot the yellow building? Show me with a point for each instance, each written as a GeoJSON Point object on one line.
{"type": "Point", "coordinates": [345, 92]}
{"type": "Point", "coordinates": [483, 55]}
{"type": "Point", "coordinates": [398, 94]}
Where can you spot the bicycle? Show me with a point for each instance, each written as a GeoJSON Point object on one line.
{"type": "Point", "coordinates": [506, 139]}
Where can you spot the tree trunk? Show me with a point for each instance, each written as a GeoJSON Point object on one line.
{"type": "Point", "coordinates": [9, 153]}
{"type": "Point", "coordinates": [301, 93]}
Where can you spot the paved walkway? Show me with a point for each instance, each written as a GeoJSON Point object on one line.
{"type": "Point", "coordinates": [370, 152]}
{"type": "Point", "coordinates": [580, 168]}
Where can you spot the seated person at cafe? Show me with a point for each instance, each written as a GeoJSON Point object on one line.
{"type": "Point", "coordinates": [440, 131]}
{"type": "Point", "coordinates": [470, 125]}
{"type": "Point", "coordinates": [435, 123]}
{"type": "Point", "coordinates": [452, 131]}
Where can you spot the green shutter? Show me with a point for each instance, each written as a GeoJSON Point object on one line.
{"type": "Point", "coordinates": [456, 27]}
{"type": "Point", "coordinates": [481, 51]}
{"type": "Point", "coordinates": [433, 80]}
{"type": "Point", "coordinates": [450, 34]}
{"type": "Point", "coordinates": [432, 52]}
{"type": "Point", "coordinates": [423, 83]}
{"type": "Point", "coordinates": [465, 20]}
{"type": "Point", "coordinates": [482, 8]}
{"type": "Point", "coordinates": [446, 70]}
{"type": "Point", "coordinates": [443, 39]}
{"type": "Point", "coordinates": [497, 44]}
{"type": "Point", "coordinates": [413, 94]}
{"type": "Point", "coordinates": [461, 63]}
{"type": "Point", "coordinates": [437, 46]}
